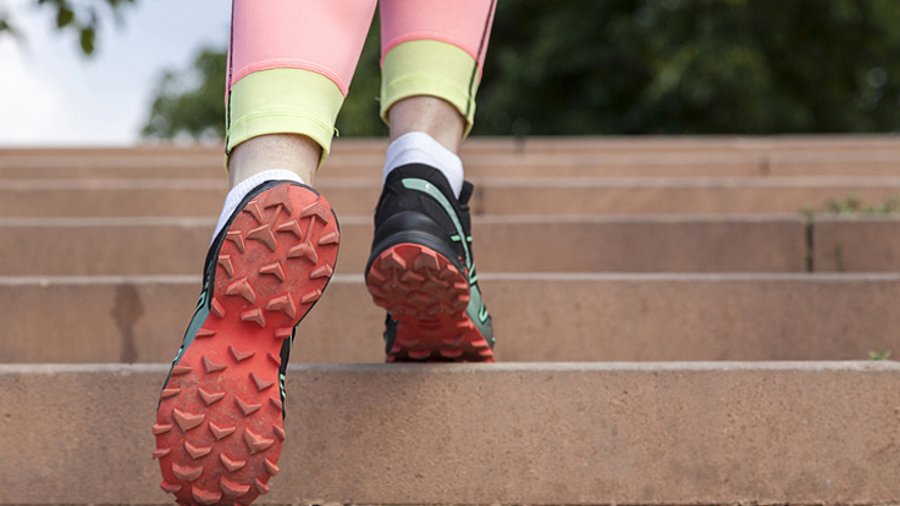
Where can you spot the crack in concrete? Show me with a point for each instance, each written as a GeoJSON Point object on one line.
{"type": "Point", "coordinates": [127, 310]}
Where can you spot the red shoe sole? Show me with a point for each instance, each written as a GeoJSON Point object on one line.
{"type": "Point", "coordinates": [219, 427]}
{"type": "Point", "coordinates": [427, 296]}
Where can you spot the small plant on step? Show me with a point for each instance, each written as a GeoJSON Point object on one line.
{"type": "Point", "coordinates": [877, 355]}
{"type": "Point", "coordinates": [854, 204]}
{"type": "Point", "coordinates": [808, 212]}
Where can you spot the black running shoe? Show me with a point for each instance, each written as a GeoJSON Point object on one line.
{"type": "Point", "coordinates": [422, 271]}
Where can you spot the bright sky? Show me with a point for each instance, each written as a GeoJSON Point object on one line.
{"type": "Point", "coordinates": [52, 95]}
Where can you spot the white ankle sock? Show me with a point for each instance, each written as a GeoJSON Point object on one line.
{"type": "Point", "coordinates": [240, 190]}
{"type": "Point", "coordinates": [419, 147]}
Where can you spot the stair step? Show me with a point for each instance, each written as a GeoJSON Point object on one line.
{"type": "Point", "coordinates": [857, 244]}
{"type": "Point", "coordinates": [539, 144]}
{"type": "Point", "coordinates": [124, 246]}
{"type": "Point", "coordinates": [616, 195]}
{"type": "Point", "coordinates": [174, 165]}
{"type": "Point", "coordinates": [642, 434]}
{"type": "Point", "coordinates": [537, 317]}
{"type": "Point", "coordinates": [770, 157]}
{"type": "Point", "coordinates": [104, 246]}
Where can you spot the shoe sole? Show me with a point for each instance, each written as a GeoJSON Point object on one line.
{"type": "Point", "coordinates": [219, 426]}
{"type": "Point", "coordinates": [427, 295]}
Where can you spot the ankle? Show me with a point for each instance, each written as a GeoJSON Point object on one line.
{"type": "Point", "coordinates": [296, 153]}
{"type": "Point", "coordinates": [430, 115]}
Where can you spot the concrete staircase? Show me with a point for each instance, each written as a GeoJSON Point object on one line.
{"type": "Point", "coordinates": [671, 328]}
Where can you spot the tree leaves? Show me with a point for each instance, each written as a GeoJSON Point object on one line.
{"type": "Point", "coordinates": [5, 27]}
{"type": "Point", "coordinates": [64, 16]}
{"type": "Point", "coordinates": [644, 67]}
{"type": "Point", "coordinates": [87, 40]}
{"type": "Point", "coordinates": [82, 18]}
{"type": "Point", "coordinates": [189, 102]}
{"type": "Point", "coordinates": [692, 66]}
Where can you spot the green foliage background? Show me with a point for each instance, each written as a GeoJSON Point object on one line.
{"type": "Point", "coordinates": [80, 17]}
{"type": "Point", "coordinates": [637, 67]}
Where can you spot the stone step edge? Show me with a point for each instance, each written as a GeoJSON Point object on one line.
{"type": "Point", "coordinates": [562, 277]}
{"type": "Point", "coordinates": [481, 141]}
{"type": "Point", "coordinates": [131, 221]}
{"type": "Point", "coordinates": [115, 221]}
{"type": "Point", "coordinates": [326, 183]}
{"type": "Point", "coordinates": [891, 366]}
{"type": "Point", "coordinates": [355, 220]}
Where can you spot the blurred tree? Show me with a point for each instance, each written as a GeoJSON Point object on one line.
{"type": "Point", "coordinates": [659, 66]}
{"type": "Point", "coordinates": [81, 17]}
{"type": "Point", "coordinates": [191, 103]}
{"type": "Point", "coordinates": [694, 66]}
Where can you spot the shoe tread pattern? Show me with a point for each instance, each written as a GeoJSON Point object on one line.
{"type": "Point", "coordinates": [219, 427]}
{"type": "Point", "coordinates": [427, 295]}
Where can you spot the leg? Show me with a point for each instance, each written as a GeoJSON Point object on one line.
{"type": "Point", "coordinates": [421, 269]}
{"type": "Point", "coordinates": [290, 67]}
{"type": "Point", "coordinates": [297, 152]}
{"type": "Point", "coordinates": [431, 115]}
{"type": "Point", "coordinates": [433, 49]}
{"type": "Point", "coordinates": [219, 426]}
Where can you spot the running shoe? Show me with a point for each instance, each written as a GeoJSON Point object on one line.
{"type": "Point", "coordinates": [219, 425]}
{"type": "Point", "coordinates": [422, 271]}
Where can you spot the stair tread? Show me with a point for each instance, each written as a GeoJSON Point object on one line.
{"type": "Point", "coordinates": [504, 433]}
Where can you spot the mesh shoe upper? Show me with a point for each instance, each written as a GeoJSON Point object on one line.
{"type": "Point", "coordinates": [400, 209]}
{"type": "Point", "coordinates": [417, 206]}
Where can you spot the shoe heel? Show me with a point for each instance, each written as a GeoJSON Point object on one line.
{"type": "Point", "coordinates": [427, 295]}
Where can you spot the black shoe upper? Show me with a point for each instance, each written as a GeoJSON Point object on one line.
{"type": "Point", "coordinates": [418, 205]}
{"type": "Point", "coordinates": [401, 210]}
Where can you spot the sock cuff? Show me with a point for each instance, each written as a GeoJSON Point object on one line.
{"type": "Point", "coordinates": [240, 190]}
{"type": "Point", "coordinates": [419, 147]}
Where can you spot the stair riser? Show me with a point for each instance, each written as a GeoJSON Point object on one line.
{"type": "Point", "coordinates": [589, 167]}
{"type": "Point", "coordinates": [356, 166]}
{"type": "Point", "coordinates": [514, 245]}
{"type": "Point", "coordinates": [532, 145]}
{"type": "Point", "coordinates": [495, 197]}
{"type": "Point", "coordinates": [552, 318]}
{"type": "Point", "coordinates": [857, 245]}
{"type": "Point", "coordinates": [630, 164]}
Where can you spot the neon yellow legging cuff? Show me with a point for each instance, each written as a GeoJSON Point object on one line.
{"type": "Point", "coordinates": [303, 102]}
{"type": "Point", "coordinates": [283, 101]}
{"type": "Point", "coordinates": [433, 68]}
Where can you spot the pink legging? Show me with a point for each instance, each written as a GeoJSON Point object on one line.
{"type": "Point", "coordinates": [326, 36]}
{"type": "Point", "coordinates": [291, 61]}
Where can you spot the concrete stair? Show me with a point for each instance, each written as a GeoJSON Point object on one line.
{"type": "Point", "coordinates": [629, 196]}
{"type": "Point", "coordinates": [628, 433]}
{"type": "Point", "coordinates": [529, 243]}
{"type": "Point", "coordinates": [671, 328]}
{"type": "Point", "coordinates": [539, 317]}
{"type": "Point", "coordinates": [693, 243]}
{"type": "Point", "coordinates": [627, 157]}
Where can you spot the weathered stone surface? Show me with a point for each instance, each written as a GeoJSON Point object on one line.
{"type": "Point", "coordinates": [676, 433]}
{"type": "Point", "coordinates": [857, 244]}
{"type": "Point", "coordinates": [599, 156]}
{"type": "Point", "coordinates": [552, 317]}
{"type": "Point", "coordinates": [125, 246]}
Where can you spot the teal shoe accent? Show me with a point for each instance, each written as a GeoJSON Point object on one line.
{"type": "Point", "coordinates": [435, 193]}
{"type": "Point", "coordinates": [476, 309]}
